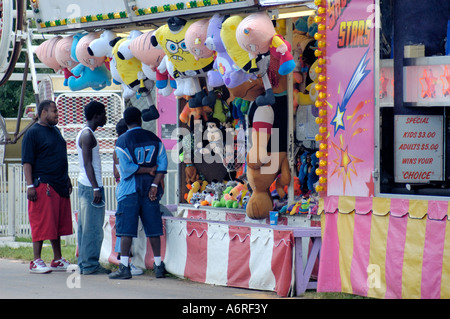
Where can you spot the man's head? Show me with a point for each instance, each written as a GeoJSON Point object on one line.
{"type": "Point", "coordinates": [95, 111]}
{"type": "Point", "coordinates": [121, 127]}
{"type": "Point", "coordinates": [132, 116]}
{"type": "Point", "coordinates": [47, 112]}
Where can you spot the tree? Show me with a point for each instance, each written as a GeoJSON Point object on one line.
{"type": "Point", "coordinates": [10, 97]}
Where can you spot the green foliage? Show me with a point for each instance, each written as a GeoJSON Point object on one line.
{"type": "Point", "coordinates": [26, 252]}
{"type": "Point", "coordinates": [10, 98]}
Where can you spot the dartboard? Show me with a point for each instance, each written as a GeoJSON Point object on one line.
{"type": "Point", "coordinates": [11, 21]}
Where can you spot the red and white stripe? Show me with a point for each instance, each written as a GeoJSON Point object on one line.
{"type": "Point", "coordinates": [213, 252]}
{"type": "Point", "coordinates": [229, 254]}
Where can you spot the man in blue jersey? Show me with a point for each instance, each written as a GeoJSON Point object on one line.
{"type": "Point", "coordinates": [139, 190]}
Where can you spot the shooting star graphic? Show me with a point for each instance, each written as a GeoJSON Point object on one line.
{"type": "Point", "coordinates": [358, 76]}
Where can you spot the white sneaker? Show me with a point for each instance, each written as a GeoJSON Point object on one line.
{"type": "Point", "coordinates": [38, 266]}
{"type": "Point", "coordinates": [135, 271]}
{"type": "Point", "coordinates": [59, 265]}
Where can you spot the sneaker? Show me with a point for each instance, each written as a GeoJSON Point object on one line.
{"type": "Point", "coordinates": [135, 271]}
{"type": "Point", "coordinates": [160, 271]}
{"type": "Point", "coordinates": [38, 266]}
{"type": "Point", "coordinates": [59, 265]}
{"type": "Point", "coordinates": [98, 271]}
{"type": "Point", "coordinates": [124, 272]}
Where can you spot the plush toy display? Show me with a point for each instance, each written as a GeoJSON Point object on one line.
{"type": "Point", "coordinates": [152, 58]}
{"type": "Point", "coordinates": [183, 66]}
{"type": "Point", "coordinates": [258, 65]}
{"type": "Point", "coordinates": [82, 53]}
{"type": "Point", "coordinates": [256, 35]}
{"type": "Point", "coordinates": [195, 42]}
{"type": "Point", "coordinates": [95, 75]}
{"type": "Point", "coordinates": [46, 53]}
{"type": "Point", "coordinates": [232, 71]}
{"type": "Point", "coordinates": [63, 56]}
{"type": "Point", "coordinates": [55, 53]}
{"type": "Point", "coordinates": [131, 72]}
{"type": "Point", "coordinates": [264, 165]}
{"type": "Point", "coordinates": [224, 72]}
{"type": "Point", "coordinates": [125, 68]}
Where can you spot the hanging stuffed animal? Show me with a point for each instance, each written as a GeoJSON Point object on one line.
{"type": "Point", "coordinates": [53, 54]}
{"type": "Point", "coordinates": [224, 71]}
{"type": "Point", "coordinates": [182, 65]}
{"type": "Point", "coordinates": [101, 47]}
{"type": "Point", "coordinates": [152, 58]}
{"type": "Point", "coordinates": [258, 65]}
{"type": "Point", "coordinates": [130, 70]}
{"type": "Point", "coordinates": [263, 166]}
{"type": "Point", "coordinates": [256, 35]}
{"type": "Point", "coordinates": [63, 56]}
{"type": "Point", "coordinates": [46, 53]}
{"type": "Point", "coordinates": [91, 71]}
{"type": "Point", "coordinates": [195, 42]}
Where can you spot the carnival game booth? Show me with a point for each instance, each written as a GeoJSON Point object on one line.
{"type": "Point", "coordinates": [245, 77]}
{"type": "Point", "coordinates": [384, 208]}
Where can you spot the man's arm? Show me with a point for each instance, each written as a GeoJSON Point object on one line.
{"type": "Point", "coordinates": [31, 191]}
{"type": "Point", "coordinates": [162, 163]}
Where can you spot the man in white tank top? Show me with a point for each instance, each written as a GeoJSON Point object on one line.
{"type": "Point", "coordinates": [90, 192]}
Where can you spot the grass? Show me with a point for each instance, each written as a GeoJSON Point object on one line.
{"type": "Point", "coordinates": [26, 252]}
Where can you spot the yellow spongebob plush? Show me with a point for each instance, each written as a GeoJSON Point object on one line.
{"type": "Point", "coordinates": [171, 38]}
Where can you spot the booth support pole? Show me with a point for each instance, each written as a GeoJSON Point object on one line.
{"type": "Point", "coordinates": [290, 99]}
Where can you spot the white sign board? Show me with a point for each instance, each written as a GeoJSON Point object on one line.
{"type": "Point", "coordinates": [418, 148]}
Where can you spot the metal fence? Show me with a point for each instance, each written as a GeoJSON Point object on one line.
{"type": "Point", "coordinates": [14, 206]}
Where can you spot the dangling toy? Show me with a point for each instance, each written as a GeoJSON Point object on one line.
{"type": "Point", "coordinates": [258, 65]}
{"type": "Point", "coordinates": [130, 70]}
{"type": "Point", "coordinates": [183, 66]}
{"type": "Point", "coordinates": [195, 42]}
{"type": "Point", "coordinates": [257, 36]}
{"type": "Point", "coordinates": [63, 56]}
{"type": "Point", "coordinates": [52, 54]}
{"type": "Point", "coordinates": [265, 165]}
{"type": "Point", "coordinates": [101, 47]}
{"type": "Point", "coordinates": [91, 71]}
{"type": "Point", "coordinates": [307, 173]}
{"type": "Point", "coordinates": [46, 53]}
{"type": "Point", "coordinates": [82, 53]}
{"type": "Point", "coordinates": [224, 71]}
{"type": "Point", "coordinates": [152, 58]}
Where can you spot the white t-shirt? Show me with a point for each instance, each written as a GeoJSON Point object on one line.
{"type": "Point", "coordinates": [96, 162]}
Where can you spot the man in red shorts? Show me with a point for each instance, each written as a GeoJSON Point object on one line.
{"type": "Point", "coordinates": [44, 159]}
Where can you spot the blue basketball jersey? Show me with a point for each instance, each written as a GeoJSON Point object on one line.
{"type": "Point", "coordinates": [135, 148]}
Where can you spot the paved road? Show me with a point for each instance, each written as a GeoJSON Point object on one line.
{"type": "Point", "coordinates": [17, 283]}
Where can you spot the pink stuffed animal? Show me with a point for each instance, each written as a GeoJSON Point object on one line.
{"type": "Point", "coordinates": [82, 52]}
{"type": "Point", "coordinates": [195, 40]}
{"type": "Point", "coordinates": [152, 58]}
{"type": "Point", "coordinates": [256, 35]}
{"type": "Point", "coordinates": [46, 53]}
{"type": "Point", "coordinates": [62, 54]}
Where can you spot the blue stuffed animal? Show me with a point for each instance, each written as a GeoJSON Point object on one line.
{"type": "Point", "coordinates": [97, 79]}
